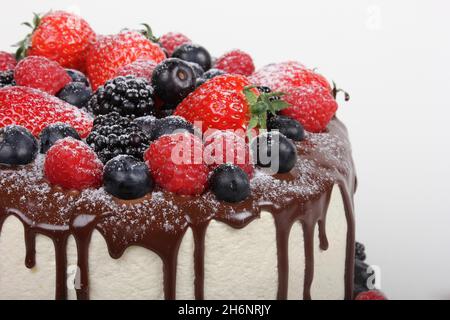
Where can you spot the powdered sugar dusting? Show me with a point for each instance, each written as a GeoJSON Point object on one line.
{"type": "Point", "coordinates": [323, 160]}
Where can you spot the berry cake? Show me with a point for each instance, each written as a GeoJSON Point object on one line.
{"type": "Point", "coordinates": [133, 167]}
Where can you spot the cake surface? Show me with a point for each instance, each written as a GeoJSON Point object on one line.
{"type": "Point", "coordinates": [292, 238]}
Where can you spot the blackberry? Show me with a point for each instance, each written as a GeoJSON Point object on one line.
{"type": "Point", "coordinates": [113, 135]}
{"type": "Point", "coordinates": [7, 79]}
{"type": "Point", "coordinates": [360, 251]}
{"type": "Point", "coordinates": [129, 96]}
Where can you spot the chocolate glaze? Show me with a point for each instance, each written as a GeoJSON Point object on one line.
{"type": "Point", "coordinates": [159, 221]}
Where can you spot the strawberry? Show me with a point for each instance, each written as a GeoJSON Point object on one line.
{"type": "Point", "coordinates": [171, 40]}
{"type": "Point", "coordinates": [140, 69]}
{"type": "Point", "coordinates": [110, 53]}
{"type": "Point", "coordinates": [311, 105]}
{"type": "Point", "coordinates": [71, 164]}
{"type": "Point", "coordinates": [60, 36]}
{"type": "Point", "coordinates": [371, 295]}
{"type": "Point", "coordinates": [34, 110]}
{"type": "Point", "coordinates": [41, 73]}
{"type": "Point", "coordinates": [287, 75]}
{"type": "Point", "coordinates": [237, 62]}
{"type": "Point", "coordinates": [227, 102]}
{"type": "Point", "coordinates": [7, 61]}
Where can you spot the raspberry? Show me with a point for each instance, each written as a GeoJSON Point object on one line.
{"type": "Point", "coordinates": [227, 147]}
{"type": "Point", "coordinates": [176, 163]}
{"type": "Point", "coordinates": [371, 295]}
{"type": "Point", "coordinates": [236, 62]}
{"type": "Point", "coordinates": [7, 61]}
{"type": "Point", "coordinates": [41, 73]}
{"type": "Point", "coordinates": [170, 41]}
{"type": "Point", "coordinates": [287, 74]}
{"type": "Point", "coordinates": [71, 164]}
{"type": "Point", "coordinates": [313, 106]}
{"type": "Point", "coordinates": [139, 69]}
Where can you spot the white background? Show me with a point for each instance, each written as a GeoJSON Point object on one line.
{"type": "Point", "coordinates": [394, 59]}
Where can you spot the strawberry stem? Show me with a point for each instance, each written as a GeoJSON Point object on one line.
{"type": "Point", "coordinates": [336, 90]}
{"type": "Point", "coordinates": [260, 105]}
{"type": "Point", "coordinates": [148, 33]}
{"type": "Point", "coordinates": [25, 44]}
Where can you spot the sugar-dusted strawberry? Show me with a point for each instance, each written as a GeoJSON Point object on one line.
{"type": "Point", "coordinates": [311, 105]}
{"type": "Point", "coordinates": [7, 61]}
{"type": "Point", "coordinates": [176, 163]}
{"type": "Point", "coordinates": [41, 73]}
{"type": "Point", "coordinates": [71, 164]}
{"type": "Point", "coordinates": [228, 147]}
{"type": "Point", "coordinates": [171, 40]}
{"type": "Point", "coordinates": [228, 102]}
{"type": "Point", "coordinates": [371, 295]}
{"type": "Point", "coordinates": [141, 68]}
{"type": "Point", "coordinates": [60, 36]}
{"type": "Point", "coordinates": [111, 52]}
{"type": "Point", "coordinates": [278, 76]}
{"type": "Point", "coordinates": [34, 110]}
{"type": "Point", "coordinates": [237, 62]}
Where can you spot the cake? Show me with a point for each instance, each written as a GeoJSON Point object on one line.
{"type": "Point", "coordinates": [73, 227]}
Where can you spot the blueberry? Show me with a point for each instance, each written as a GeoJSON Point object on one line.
{"type": "Point", "coordinates": [286, 154]}
{"type": "Point", "coordinates": [208, 75]}
{"type": "Point", "coordinates": [78, 76]}
{"type": "Point", "coordinates": [289, 127]}
{"type": "Point", "coordinates": [212, 73]}
{"type": "Point", "coordinates": [194, 53]}
{"type": "Point", "coordinates": [75, 93]}
{"type": "Point", "coordinates": [127, 178]}
{"type": "Point", "coordinates": [198, 71]}
{"type": "Point", "coordinates": [360, 251]}
{"type": "Point", "coordinates": [55, 132]}
{"type": "Point", "coordinates": [169, 125]}
{"type": "Point", "coordinates": [17, 146]}
{"type": "Point", "coordinates": [173, 79]}
{"type": "Point", "coordinates": [146, 124]}
{"type": "Point", "coordinates": [230, 183]}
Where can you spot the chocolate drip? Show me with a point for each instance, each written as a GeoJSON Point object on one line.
{"type": "Point", "coordinates": [82, 227]}
{"type": "Point", "coordinates": [199, 233]}
{"type": "Point", "coordinates": [160, 221]}
{"type": "Point", "coordinates": [60, 243]}
{"type": "Point", "coordinates": [30, 247]}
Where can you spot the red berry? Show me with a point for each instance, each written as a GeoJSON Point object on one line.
{"type": "Point", "coordinates": [110, 53]}
{"type": "Point", "coordinates": [176, 163]}
{"type": "Point", "coordinates": [34, 110]}
{"type": "Point", "coordinates": [287, 74]}
{"type": "Point", "coordinates": [236, 62]}
{"type": "Point", "coordinates": [371, 295]}
{"type": "Point", "coordinates": [71, 164]}
{"type": "Point", "coordinates": [140, 69]}
{"type": "Point", "coordinates": [218, 104]}
{"type": "Point", "coordinates": [7, 61]}
{"type": "Point", "coordinates": [313, 106]}
{"type": "Point", "coordinates": [170, 41]}
{"type": "Point", "coordinates": [63, 37]}
{"type": "Point", "coordinates": [227, 147]}
{"type": "Point", "coordinates": [41, 73]}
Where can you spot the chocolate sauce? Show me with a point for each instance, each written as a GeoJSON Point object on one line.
{"type": "Point", "coordinates": [160, 221]}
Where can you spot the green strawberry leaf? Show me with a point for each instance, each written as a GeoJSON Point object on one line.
{"type": "Point", "coordinates": [261, 105]}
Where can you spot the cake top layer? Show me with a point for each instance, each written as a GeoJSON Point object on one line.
{"type": "Point", "coordinates": [324, 160]}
